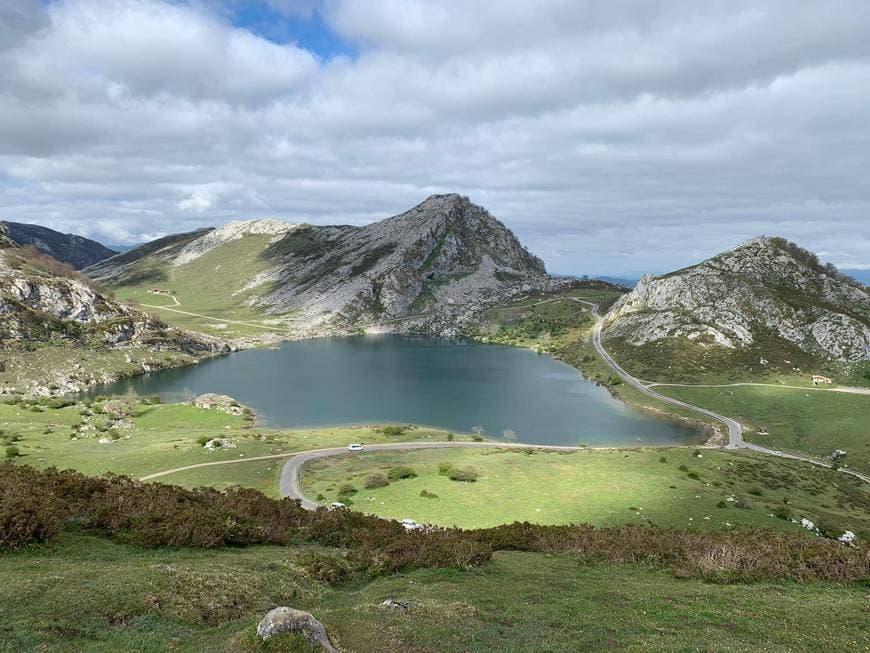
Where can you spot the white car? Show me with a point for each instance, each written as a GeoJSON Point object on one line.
{"type": "Point", "coordinates": [336, 505]}
{"type": "Point", "coordinates": [410, 525]}
{"type": "Point", "coordinates": [355, 447]}
{"type": "Point", "coordinates": [777, 453]}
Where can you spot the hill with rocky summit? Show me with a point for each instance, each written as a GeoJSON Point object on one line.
{"type": "Point", "coordinates": [425, 270]}
{"type": "Point", "coordinates": [76, 251]}
{"type": "Point", "coordinates": [764, 305]}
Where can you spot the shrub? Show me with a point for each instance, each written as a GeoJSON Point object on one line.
{"type": "Point", "coordinates": [394, 430]}
{"type": "Point", "coordinates": [12, 451]}
{"type": "Point", "coordinates": [722, 504]}
{"type": "Point", "coordinates": [121, 407]}
{"type": "Point", "coordinates": [346, 490]}
{"type": "Point", "coordinates": [466, 475]}
{"type": "Point", "coordinates": [375, 480]}
{"type": "Point", "coordinates": [757, 492]}
{"type": "Point", "coordinates": [428, 495]}
{"type": "Point", "coordinates": [683, 468]}
{"type": "Point", "coordinates": [444, 469]}
{"type": "Point", "coordinates": [450, 437]}
{"type": "Point", "coordinates": [399, 473]}
{"type": "Point", "coordinates": [202, 440]}
{"type": "Point", "coordinates": [694, 476]}
{"type": "Point", "coordinates": [28, 512]}
{"type": "Point", "coordinates": [663, 459]}
{"type": "Point", "coordinates": [34, 504]}
{"type": "Point", "coordinates": [328, 569]}
{"type": "Point", "coordinates": [743, 503]}
{"type": "Point", "coordinates": [477, 438]}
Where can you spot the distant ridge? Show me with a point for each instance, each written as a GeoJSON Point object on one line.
{"type": "Point", "coordinates": [76, 251]}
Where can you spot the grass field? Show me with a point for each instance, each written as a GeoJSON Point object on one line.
{"type": "Point", "coordinates": [810, 421]}
{"type": "Point", "coordinates": [211, 285]}
{"type": "Point", "coordinates": [165, 436]}
{"type": "Point", "coordinates": [599, 487]}
{"type": "Point", "coordinates": [86, 593]}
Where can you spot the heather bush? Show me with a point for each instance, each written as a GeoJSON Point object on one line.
{"type": "Point", "coordinates": [28, 515]}
{"type": "Point", "coordinates": [375, 480]}
{"type": "Point", "coordinates": [399, 473]}
{"type": "Point", "coordinates": [34, 505]}
{"type": "Point", "coordinates": [329, 569]}
{"type": "Point", "coordinates": [464, 475]}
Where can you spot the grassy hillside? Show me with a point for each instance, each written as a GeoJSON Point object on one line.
{"type": "Point", "coordinates": [668, 487]}
{"type": "Point", "coordinates": [545, 321]}
{"type": "Point", "coordinates": [211, 287]}
{"type": "Point", "coordinates": [680, 360]}
{"type": "Point", "coordinates": [87, 593]}
{"type": "Point", "coordinates": [811, 421]}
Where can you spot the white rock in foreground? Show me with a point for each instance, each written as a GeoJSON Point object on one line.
{"type": "Point", "coordinates": [288, 620]}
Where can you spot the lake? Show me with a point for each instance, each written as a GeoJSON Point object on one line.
{"type": "Point", "coordinates": [451, 384]}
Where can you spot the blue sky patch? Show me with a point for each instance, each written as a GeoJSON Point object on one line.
{"type": "Point", "coordinates": [308, 31]}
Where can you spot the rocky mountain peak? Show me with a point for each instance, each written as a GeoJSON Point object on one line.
{"type": "Point", "coordinates": [766, 287]}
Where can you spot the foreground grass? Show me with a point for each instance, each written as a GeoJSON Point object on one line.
{"type": "Point", "coordinates": [599, 487]}
{"type": "Point", "coordinates": [166, 436]}
{"type": "Point", "coordinates": [815, 422]}
{"type": "Point", "coordinates": [87, 593]}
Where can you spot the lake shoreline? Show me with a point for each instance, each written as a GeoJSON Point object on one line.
{"type": "Point", "coordinates": [365, 380]}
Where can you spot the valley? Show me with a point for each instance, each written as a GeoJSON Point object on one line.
{"type": "Point", "coordinates": [436, 317]}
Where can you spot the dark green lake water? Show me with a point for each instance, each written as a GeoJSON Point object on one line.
{"type": "Point", "coordinates": [451, 384]}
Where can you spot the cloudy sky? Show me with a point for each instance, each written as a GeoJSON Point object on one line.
{"type": "Point", "coordinates": [612, 136]}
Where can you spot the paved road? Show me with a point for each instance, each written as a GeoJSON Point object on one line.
{"type": "Point", "coordinates": [735, 431]}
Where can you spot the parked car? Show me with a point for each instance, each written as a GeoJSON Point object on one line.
{"type": "Point", "coordinates": [777, 453]}
{"type": "Point", "coordinates": [355, 447]}
{"type": "Point", "coordinates": [336, 505]}
{"type": "Point", "coordinates": [410, 525]}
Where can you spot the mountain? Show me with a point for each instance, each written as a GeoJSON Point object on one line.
{"type": "Point", "coordinates": [766, 305]}
{"type": "Point", "coordinates": [858, 275]}
{"type": "Point", "coordinates": [44, 303]}
{"type": "Point", "coordinates": [625, 282]}
{"type": "Point", "coordinates": [73, 250]}
{"type": "Point", "coordinates": [423, 270]}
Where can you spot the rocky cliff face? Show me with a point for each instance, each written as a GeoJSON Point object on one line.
{"type": "Point", "coordinates": [424, 270]}
{"type": "Point", "coordinates": [765, 288]}
{"type": "Point", "coordinates": [435, 263]}
{"type": "Point", "coordinates": [41, 301]}
{"type": "Point", "coordinates": [76, 251]}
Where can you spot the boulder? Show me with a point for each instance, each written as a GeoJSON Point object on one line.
{"type": "Point", "coordinates": [288, 620]}
{"type": "Point", "coordinates": [220, 403]}
{"type": "Point", "coordinates": [401, 606]}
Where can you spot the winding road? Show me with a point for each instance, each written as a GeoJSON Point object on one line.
{"type": "Point", "coordinates": [290, 485]}
{"type": "Point", "coordinates": [735, 431]}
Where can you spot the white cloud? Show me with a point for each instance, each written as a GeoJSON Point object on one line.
{"type": "Point", "coordinates": [618, 136]}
